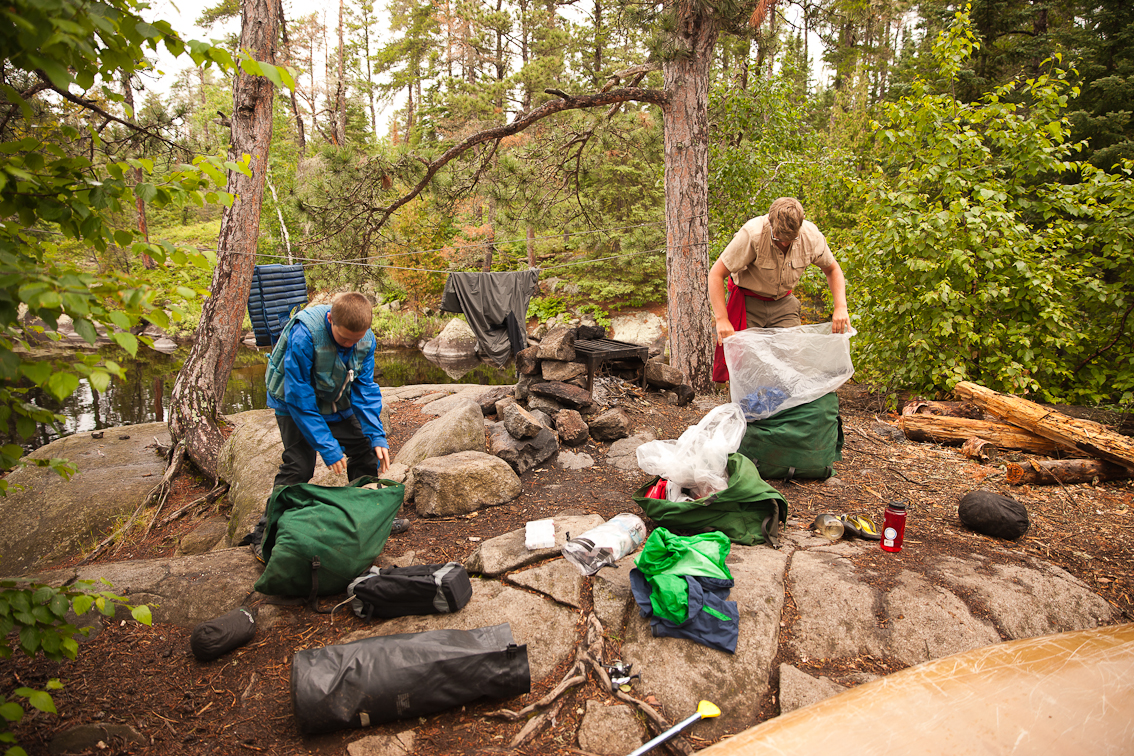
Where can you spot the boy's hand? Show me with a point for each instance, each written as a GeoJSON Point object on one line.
{"type": "Point", "coordinates": [338, 467]}
{"type": "Point", "coordinates": [383, 457]}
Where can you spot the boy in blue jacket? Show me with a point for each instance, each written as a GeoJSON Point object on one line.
{"type": "Point", "coordinates": [320, 380]}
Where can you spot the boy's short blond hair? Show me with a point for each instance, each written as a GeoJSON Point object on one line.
{"type": "Point", "coordinates": [786, 216]}
{"type": "Point", "coordinates": [352, 312]}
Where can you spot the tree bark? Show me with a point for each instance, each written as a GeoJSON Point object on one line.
{"type": "Point", "coordinates": [1089, 438]}
{"type": "Point", "coordinates": [139, 203]}
{"type": "Point", "coordinates": [195, 403]}
{"type": "Point", "coordinates": [1064, 471]}
{"type": "Point", "coordinates": [294, 100]}
{"type": "Point", "coordinates": [957, 430]}
{"type": "Point", "coordinates": [686, 124]}
{"type": "Point", "coordinates": [340, 88]}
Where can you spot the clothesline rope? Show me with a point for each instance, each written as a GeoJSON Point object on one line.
{"type": "Point", "coordinates": [311, 262]}
{"type": "Point", "coordinates": [487, 242]}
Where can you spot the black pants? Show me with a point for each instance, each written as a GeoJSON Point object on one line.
{"type": "Point", "coordinates": [298, 464]}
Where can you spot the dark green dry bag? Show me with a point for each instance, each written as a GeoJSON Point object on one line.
{"type": "Point", "coordinates": [801, 442]}
{"type": "Point", "coordinates": [748, 511]}
{"type": "Point", "coordinates": [319, 538]}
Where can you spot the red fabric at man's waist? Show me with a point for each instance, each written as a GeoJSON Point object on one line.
{"type": "Point", "coordinates": [738, 317]}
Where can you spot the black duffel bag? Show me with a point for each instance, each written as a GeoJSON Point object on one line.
{"type": "Point", "coordinates": [418, 589]}
{"type": "Point", "coordinates": [379, 680]}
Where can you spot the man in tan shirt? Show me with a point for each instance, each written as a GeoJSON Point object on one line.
{"type": "Point", "coordinates": [766, 258]}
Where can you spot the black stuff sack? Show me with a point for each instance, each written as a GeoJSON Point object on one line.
{"type": "Point", "coordinates": [216, 637]}
{"type": "Point", "coordinates": [994, 515]}
{"type": "Point", "coordinates": [383, 679]}
{"type": "Point", "coordinates": [418, 589]}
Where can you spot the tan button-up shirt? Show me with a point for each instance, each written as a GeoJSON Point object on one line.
{"type": "Point", "coordinates": [758, 265]}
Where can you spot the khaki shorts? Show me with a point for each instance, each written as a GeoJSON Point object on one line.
{"type": "Point", "coordinates": [782, 313]}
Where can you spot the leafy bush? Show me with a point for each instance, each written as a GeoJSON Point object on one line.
{"type": "Point", "coordinates": [546, 307]}
{"type": "Point", "coordinates": [38, 613]}
{"type": "Point", "coordinates": [987, 252]}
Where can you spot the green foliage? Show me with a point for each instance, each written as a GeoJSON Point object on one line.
{"type": "Point", "coordinates": [601, 316]}
{"type": "Point", "coordinates": [546, 307]}
{"type": "Point", "coordinates": [987, 252]}
{"type": "Point", "coordinates": [34, 617]}
{"type": "Point", "coordinates": [65, 199]}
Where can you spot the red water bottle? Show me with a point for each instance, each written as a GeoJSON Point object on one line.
{"type": "Point", "coordinates": [894, 526]}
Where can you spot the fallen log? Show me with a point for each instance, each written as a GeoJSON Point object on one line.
{"type": "Point", "coordinates": [958, 430]}
{"type": "Point", "coordinates": [947, 409]}
{"type": "Point", "coordinates": [1090, 438]}
{"type": "Point", "coordinates": [1052, 471]}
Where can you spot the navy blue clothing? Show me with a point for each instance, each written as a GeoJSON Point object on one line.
{"type": "Point", "coordinates": [701, 626]}
{"type": "Point", "coordinates": [299, 397]}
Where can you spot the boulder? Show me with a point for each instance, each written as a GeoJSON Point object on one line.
{"type": "Point", "coordinates": [508, 552]}
{"type": "Point", "coordinates": [456, 341]}
{"type": "Point", "coordinates": [566, 460]}
{"type": "Point", "coordinates": [543, 418]}
{"type": "Point", "coordinates": [46, 518]}
{"type": "Point", "coordinates": [539, 403]}
{"type": "Point", "coordinates": [642, 328]}
{"type": "Point", "coordinates": [527, 361]}
{"type": "Point", "coordinates": [554, 370]}
{"type": "Point", "coordinates": [489, 399]}
{"type": "Point", "coordinates": [799, 689]}
{"type": "Point", "coordinates": [460, 429]}
{"type": "Point", "coordinates": [610, 425]}
{"type": "Point", "coordinates": [610, 730]}
{"type": "Point", "coordinates": [623, 453]}
{"type": "Point", "coordinates": [558, 344]}
{"type": "Point", "coordinates": [206, 536]}
{"type": "Point", "coordinates": [524, 384]}
{"type": "Point", "coordinates": [519, 422]}
{"type": "Point", "coordinates": [590, 331]}
{"type": "Point", "coordinates": [684, 394]}
{"type": "Point", "coordinates": [572, 430]}
{"type": "Point", "coordinates": [500, 405]}
{"type": "Point", "coordinates": [564, 393]}
{"type": "Point", "coordinates": [522, 454]}
{"type": "Point", "coordinates": [461, 483]}
{"type": "Point", "coordinates": [662, 375]}
{"type": "Point", "coordinates": [557, 579]}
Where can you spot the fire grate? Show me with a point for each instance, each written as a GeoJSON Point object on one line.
{"type": "Point", "coordinates": [594, 352]}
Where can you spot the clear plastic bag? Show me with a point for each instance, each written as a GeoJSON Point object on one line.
{"type": "Point", "coordinates": [605, 544]}
{"type": "Point", "coordinates": [698, 460]}
{"type": "Point", "coordinates": [774, 369]}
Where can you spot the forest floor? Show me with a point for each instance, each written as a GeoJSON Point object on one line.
{"type": "Point", "coordinates": [146, 678]}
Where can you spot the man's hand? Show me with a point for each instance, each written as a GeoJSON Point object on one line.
{"type": "Point", "coordinates": [724, 329]}
{"type": "Point", "coordinates": [383, 457]}
{"type": "Point", "coordinates": [840, 320]}
{"type": "Point", "coordinates": [339, 467]}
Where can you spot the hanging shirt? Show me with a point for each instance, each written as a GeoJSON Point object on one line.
{"type": "Point", "coordinates": [487, 300]}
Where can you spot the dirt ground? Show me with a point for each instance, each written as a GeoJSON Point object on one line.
{"type": "Point", "coordinates": [145, 677]}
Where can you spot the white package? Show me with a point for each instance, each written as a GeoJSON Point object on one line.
{"type": "Point", "coordinates": [539, 534]}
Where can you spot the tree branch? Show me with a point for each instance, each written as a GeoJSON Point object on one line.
{"type": "Point", "coordinates": [653, 96]}
{"type": "Point", "coordinates": [88, 105]}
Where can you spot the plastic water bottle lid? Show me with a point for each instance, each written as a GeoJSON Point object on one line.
{"type": "Point", "coordinates": [899, 505]}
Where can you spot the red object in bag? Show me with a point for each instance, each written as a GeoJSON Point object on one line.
{"type": "Point", "coordinates": [657, 490]}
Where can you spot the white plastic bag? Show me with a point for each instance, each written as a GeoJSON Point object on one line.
{"type": "Point", "coordinates": [774, 369]}
{"type": "Point", "coordinates": [698, 460]}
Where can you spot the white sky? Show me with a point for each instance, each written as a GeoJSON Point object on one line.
{"type": "Point", "coordinates": [183, 13]}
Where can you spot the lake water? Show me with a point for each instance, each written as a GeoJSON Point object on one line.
{"type": "Point", "coordinates": [144, 396]}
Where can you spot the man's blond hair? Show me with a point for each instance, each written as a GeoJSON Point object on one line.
{"type": "Point", "coordinates": [786, 216]}
{"type": "Point", "coordinates": [352, 311]}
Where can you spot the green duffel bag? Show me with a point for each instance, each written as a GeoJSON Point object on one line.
{"type": "Point", "coordinates": [319, 538]}
{"type": "Point", "coordinates": [801, 442]}
{"type": "Point", "coordinates": [748, 511]}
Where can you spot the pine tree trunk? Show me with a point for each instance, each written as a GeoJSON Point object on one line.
{"type": "Point", "coordinates": [294, 101]}
{"type": "Point", "coordinates": [340, 89]}
{"type": "Point", "coordinates": [197, 393]}
{"type": "Point", "coordinates": [686, 197]}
